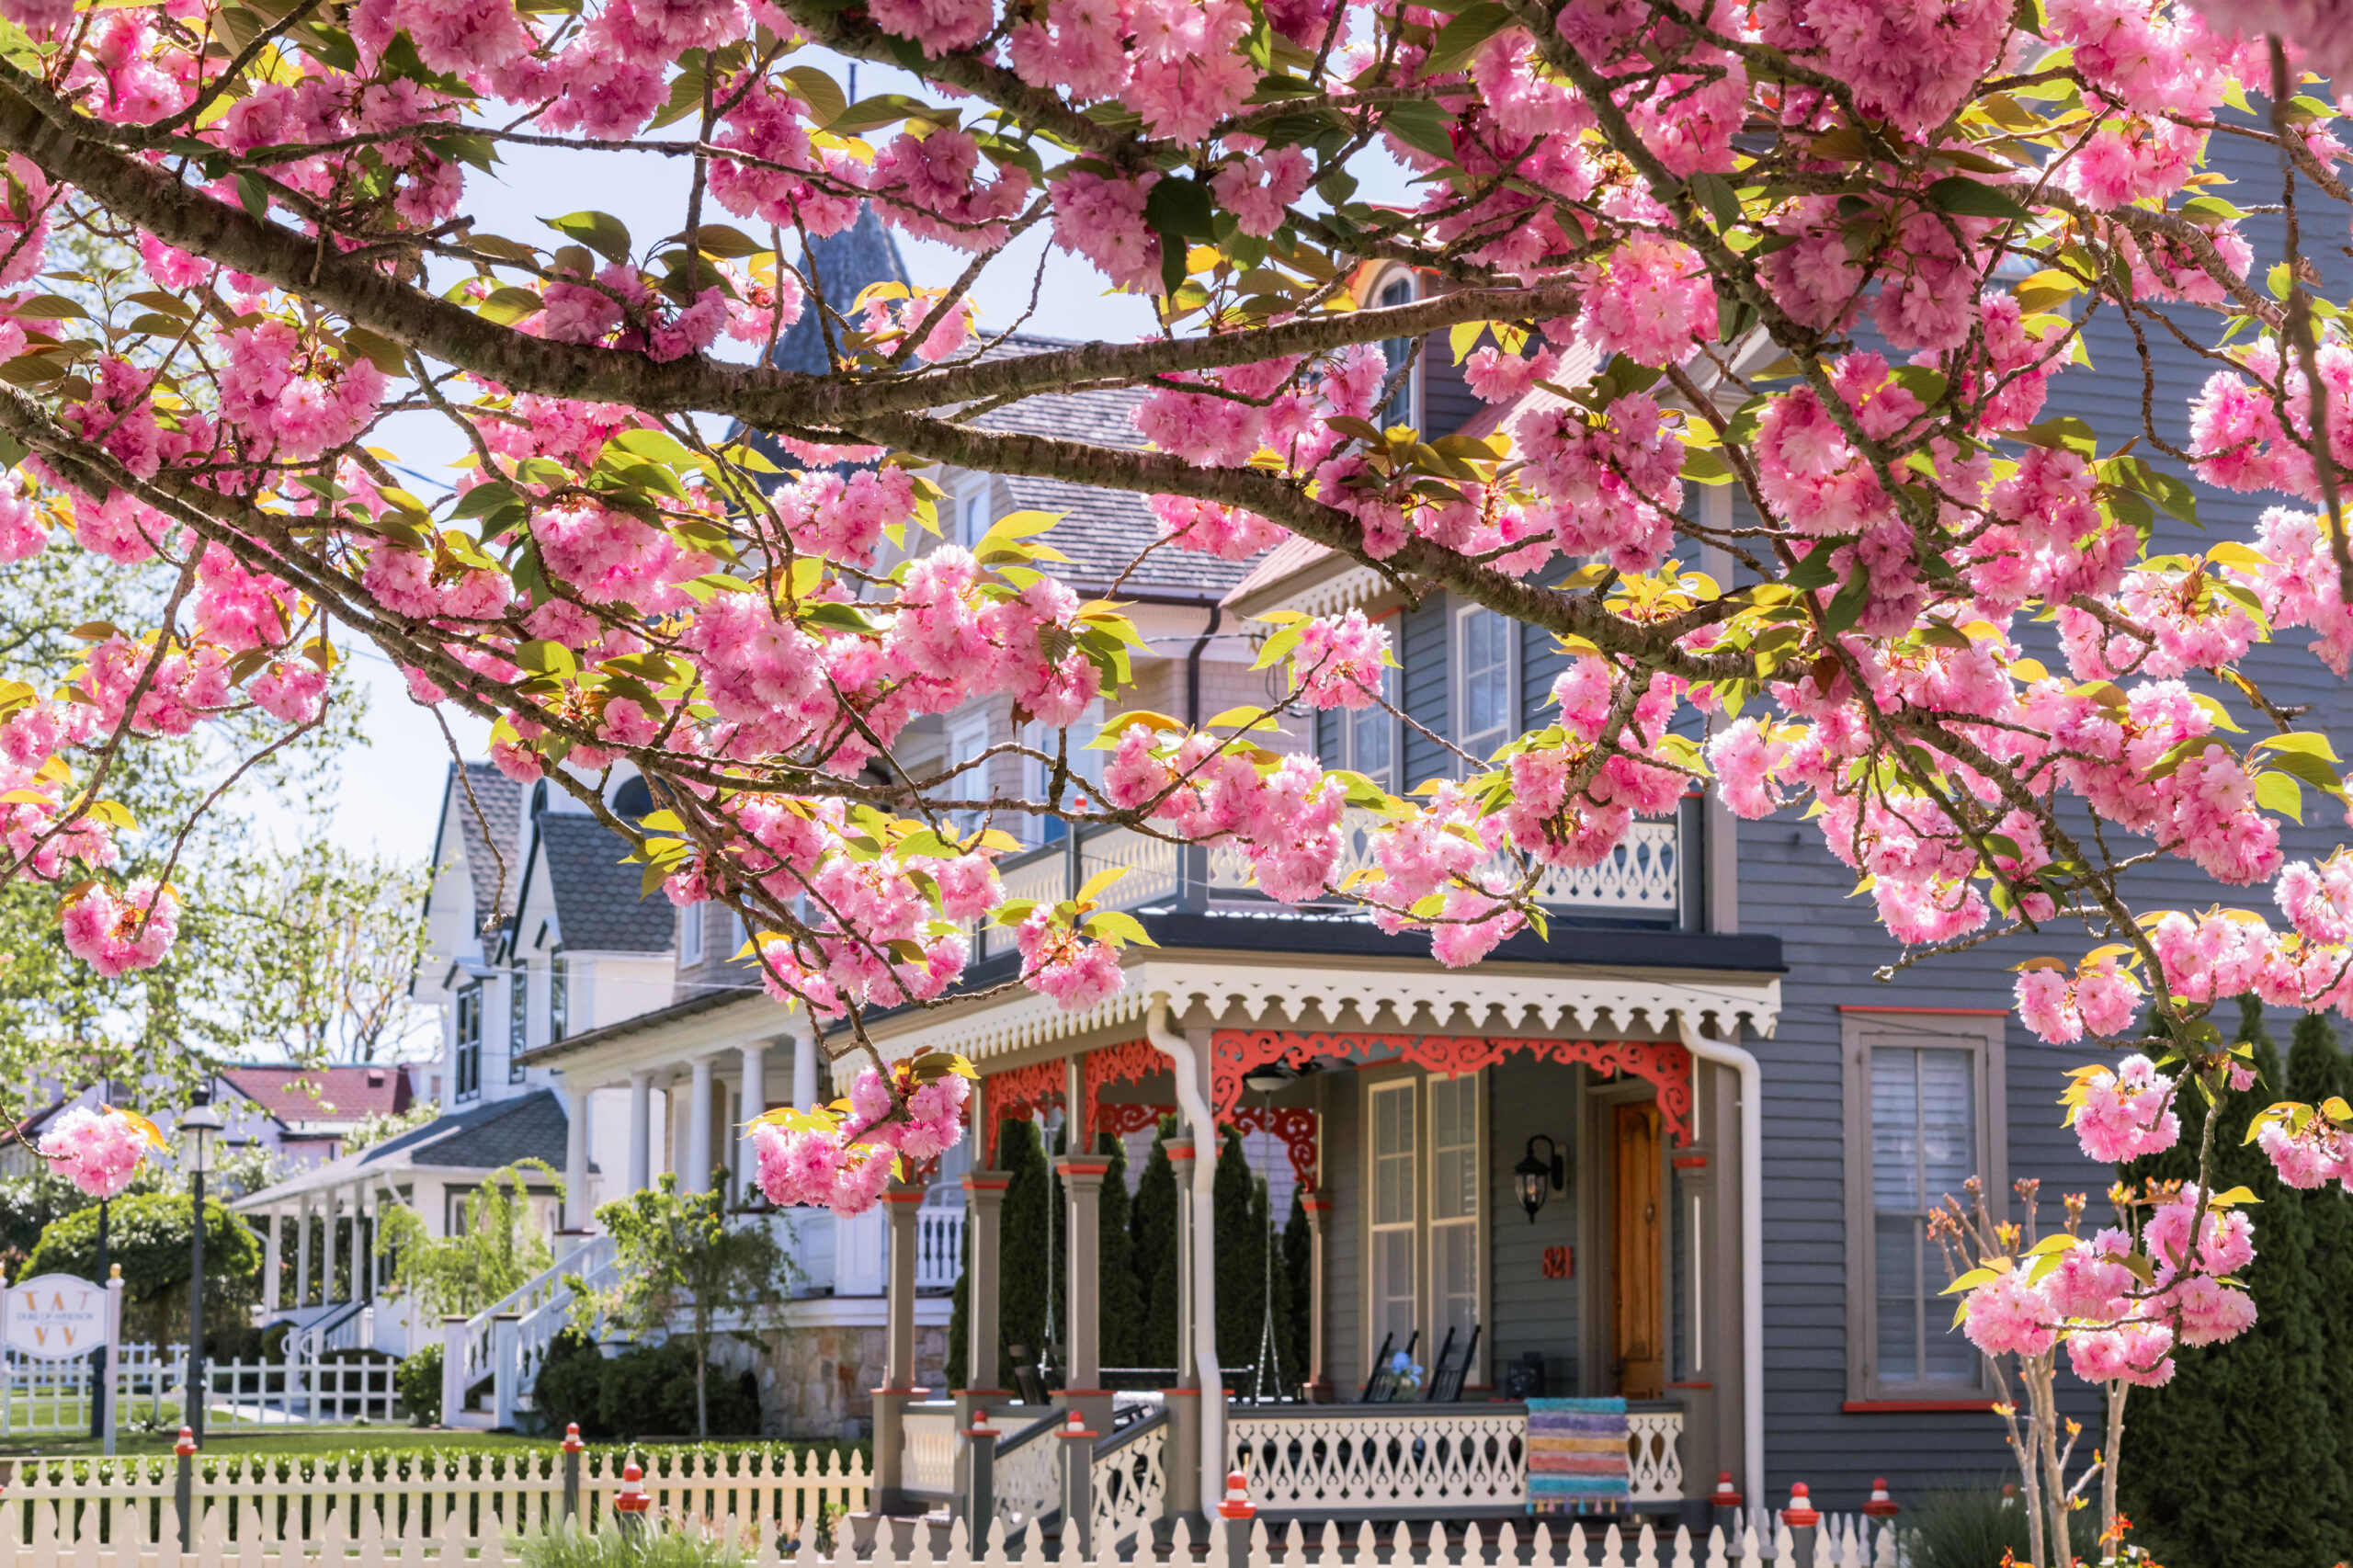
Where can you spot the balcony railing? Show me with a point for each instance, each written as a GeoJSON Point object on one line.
{"type": "Point", "coordinates": [1651, 880]}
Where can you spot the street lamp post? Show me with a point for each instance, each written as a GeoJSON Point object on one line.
{"type": "Point", "coordinates": [98, 1384]}
{"type": "Point", "coordinates": [197, 1130]}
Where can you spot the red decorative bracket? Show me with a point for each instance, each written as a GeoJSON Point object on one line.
{"type": "Point", "coordinates": [1129, 1063]}
{"type": "Point", "coordinates": [1663, 1064]}
{"type": "Point", "coordinates": [1017, 1092]}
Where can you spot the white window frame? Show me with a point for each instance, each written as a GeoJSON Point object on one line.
{"type": "Point", "coordinates": [968, 737]}
{"type": "Point", "coordinates": [1408, 289]}
{"type": "Point", "coordinates": [1862, 1032]}
{"type": "Point", "coordinates": [1355, 722]}
{"type": "Point", "coordinates": [559, 995]}
{"type": "Point", "coordinates": [1476, 748]}
{"type": "Point", "coordinates": [972, 506]}
{"type": "Point", "coordinates": [690, 923]}
{"type": "Point", "coordinates": [1472, 1223]}
{"type": "Point", "coordinates": [1409, 1228]}
{"type": "Point", "coordinates": [466, 1047]}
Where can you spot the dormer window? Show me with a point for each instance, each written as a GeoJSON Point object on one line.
{"type": "Point", "coordinates": [1399, 353]}
{"type": "Point", "coordinates": [558, 1001]}
{"type": "Point", "coordinates": [690, 936]}
{"type": "Point", "coordinates": [972, 516]}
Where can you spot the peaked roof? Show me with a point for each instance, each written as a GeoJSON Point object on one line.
{"type": "Point", "coordinates": [599, 903]}
{"type": "Point", "coordinates": [322, 1094]}
{"type": "Point", "coordinates": [481, 1137]}
{"type": "Point", "coordinates": [842, 266]}
{"type": "Point", "coordinates": [488, 805]}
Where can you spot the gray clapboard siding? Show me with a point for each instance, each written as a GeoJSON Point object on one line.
{"type": "Point", "coordinates": [1423, 649]}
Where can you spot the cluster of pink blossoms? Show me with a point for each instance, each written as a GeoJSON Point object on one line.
{"type": "Point", "coordinates": [847, 1168]}
{"type": "Point", "coordinates": [2114, 1326]}
{"type": "Point", "coordinates": [99, 1149]}
{"type": "Point", "coordinates": [114, 933]}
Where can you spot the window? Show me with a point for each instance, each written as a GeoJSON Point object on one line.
{"type": "Point", "coordinates": [469, 1041]}
{"type": "Point", "coordinates": [968, 737]}
{"type": "Point", "coordinates": [972, 517]}
{"type": "Point", "coordinates": [558, 997]}
{"type": "Point", "coordinates": [690, 936]}
{"type": "Point", "coordinates": [1395, 1300]}
{"type": "Point", "coordinates": [1400, 351]}
{"type": "Point", "coordinates": [519, 1019]}
{"type": "Point", "coordinates": [1921, 1092]}
{"type": "Point", "coordinates": [1454, 1211]}
{"type": "Point", "coordinates": [1085, 765]}
{"type": "Point", "coordinates": [1486, 716]}
{"type": "Point", "coordinates": [1369, 737]}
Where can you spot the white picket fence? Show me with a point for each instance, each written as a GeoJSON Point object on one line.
{"type": "Point", "coordinates": [56, 1398]}
{"type": "Point", "coordinates": [291, 1508]}
{"type": "Point", "coordinates": [239, 1535]}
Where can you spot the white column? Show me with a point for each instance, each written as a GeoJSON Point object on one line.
{"type": "Point", "coordinates": [754, 1102]}
{"type": "Point", "coordinates": [271, 1260]}
{"type": "Point", "coordinates": [697, 1175]}
{"type": "Point", "coordinates": [805, 1062]}
{"type": "Point", "coordinates": [641, 1132]}
{"type": "Point", "coordinates": [302, 1250]}
{"type": "Point", "coordinates": [326, 1265]}
{"type": "Point", "coordinates": [575, 1159]}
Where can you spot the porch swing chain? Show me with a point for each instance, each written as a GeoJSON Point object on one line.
{"type": "Point", "coordinates": [1269, 1353]}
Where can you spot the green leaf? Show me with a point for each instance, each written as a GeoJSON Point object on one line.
{"type": "Point", "coordinates": [2308, 742]}
{"type": "Point", "coordinates": [1421, 125]}
{"type": "Point", "coordinates": [1117, 928]}
{"type": "Point", "coordinates": [818, 90]}
{"type": "Point", "coordinates": [2276, 792]}
{"type": "Point", "coordinates": [508, 304]}
{"type": "Point", "coordinates": [253, 196]}
{"type": "Point", "coordinates": [487, 497]}
{"type": "Point", "coordinates": [1715, 193]}
{"type": "Point", "coordinates": [1966, 197]}
{"type": "Point", "coordinates": [1457, 42]}
{"type": "Point", "coordinates": [600, 232]}
{"type": "Point", "coordinates": [2065, 431]}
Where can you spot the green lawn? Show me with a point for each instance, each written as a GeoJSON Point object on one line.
{"type": "Point", "coordinates": [278, 1440]}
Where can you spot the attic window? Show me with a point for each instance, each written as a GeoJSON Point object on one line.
{"type": "Point", "coordinates": [633, 799]}
{"type": "Point", "coordinates": [375, 1077]}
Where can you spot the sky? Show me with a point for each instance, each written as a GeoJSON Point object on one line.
{"type": "Point", "coordinates": [388, 795]}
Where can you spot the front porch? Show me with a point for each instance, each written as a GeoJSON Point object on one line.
{"type": "Point", "coordinates": [1448, 1287]}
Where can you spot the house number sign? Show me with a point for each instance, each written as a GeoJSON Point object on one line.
{"type": "Point", "coordinates": [1560, 1263]}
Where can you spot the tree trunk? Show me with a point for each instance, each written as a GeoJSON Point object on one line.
{"type": "Point", "coordinates": [702, 1400]}
{"type": "Point", "coordinates": [2110, 1544]}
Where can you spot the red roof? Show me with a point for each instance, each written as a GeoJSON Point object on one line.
{"type": "Point", "coordinates": [322, 1094]}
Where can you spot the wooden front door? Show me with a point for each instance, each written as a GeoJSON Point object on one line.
{"type": "Point", "coordinates": [1638, 1316]}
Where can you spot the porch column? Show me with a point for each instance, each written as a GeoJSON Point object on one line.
{"type": "Point", "coordinates": [640, 1131]}
{"type": "Point", "coordinates": [271, 1261]}
{"type": "Point", "coordinates": [899, 1204]}
{"type": "Point", "coordinates": [302, 1250]}
{"type": "Point", "coordinates": [697, 1175]}
{"type": "Point", "coordinates": [754, 1102]}
{"type": "Point", "coordinates": [984, 1220]}
{"type": "Point", "coordinates": [327, 1261]}
{"type": "Point", "coordinates": [805, 1061]}
{"type": "Point", "coordinates": [1083, 1392]}
{"type": "Point", "coordinates": [1183, 1468]}
{"type": "Point", "coordinates": [1318, 1283]}
{"type": "Point", "coordinates": [575, 1159]}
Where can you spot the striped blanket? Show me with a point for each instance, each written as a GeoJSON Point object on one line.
{"type": "Point", "coordinates": [1576, 1455]}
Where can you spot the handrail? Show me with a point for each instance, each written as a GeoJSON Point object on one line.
{"type": "Point", "coordinates": [1377, 1410]}
{"type": "Point", "coordinates": [1051, 1421]}
{"type": "Point", "coordinates": [1130, 1434]}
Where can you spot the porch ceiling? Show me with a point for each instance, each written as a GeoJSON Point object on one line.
{"type": "Point", "coordinates": [1227, 989]}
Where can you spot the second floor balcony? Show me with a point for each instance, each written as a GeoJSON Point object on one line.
{"type": "Point", "coordinates": [1651, 881]}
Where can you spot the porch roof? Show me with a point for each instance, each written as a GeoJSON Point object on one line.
{"type": "Point", "coordinates": [1341, 971]}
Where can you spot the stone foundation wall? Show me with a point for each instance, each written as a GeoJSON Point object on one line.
{"type": "Point", "coordinates": [819, 1382]}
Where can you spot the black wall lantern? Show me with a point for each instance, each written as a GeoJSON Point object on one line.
{"type": "Point", "coordinates": [1537, 1177]}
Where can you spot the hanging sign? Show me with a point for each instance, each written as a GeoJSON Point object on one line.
{"type": "Point", "coordinates": [55, 1316]}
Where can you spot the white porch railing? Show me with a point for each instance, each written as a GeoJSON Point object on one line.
{"type": "Point", "coordinates": [1411, 1459]}
{"type": "Point", "coordinates": [1383, 1458]}
{"type": "Point", "coordinates": [940, 1245]}
{"type": "Point", "coordinates": [540, 1308]}
{"type": "Point", "coordinates": [1028, 1476]}
{"type": "Point", "coordinates": [928, 1449]}
{"type": "Point", "coordinates": [1130, 1481]}
{"type": "Point", "coordinates": [304, 1391]}
{"type": "Point", "coordinates": [1642, 876]}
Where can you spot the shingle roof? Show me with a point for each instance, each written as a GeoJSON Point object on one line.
{"type": "Point", "coordinates": [322, 1094]}
{"type": "Point", "coordinates": [498, 1132]}
{"type": "Point", "coordinates": [1293, 554]}
{"type": "Point", "coordinates": [597, 904]}
{"type": "Point", "coordinates": [1104, 530]}
{"type": "Point", "coordinates": [843, 264]}
{"type": "Point", "coordinates": [489, 834]}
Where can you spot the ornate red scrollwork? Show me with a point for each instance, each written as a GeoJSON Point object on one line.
{"type": "Point", "coordinates": [1663, 1064]}
{"type": "Point", "coordinates": [1017, 1092]}
{"type": "Point", "coordinates": [1120, 1119]}
{"type": "Point", "coordinates": [1295, 1125]}
{"type": "Point", "coordinates": [1129, 1063]}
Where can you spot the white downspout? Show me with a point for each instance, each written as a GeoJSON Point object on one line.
{"type": "Point", "coordinates": [1752, 1248]}
{"type": "Point", "coordinates": [1196, 1105]}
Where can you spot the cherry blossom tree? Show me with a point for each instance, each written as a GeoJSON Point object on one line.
{"type": "Point", "coordinates": [1836, 254]}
